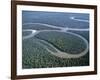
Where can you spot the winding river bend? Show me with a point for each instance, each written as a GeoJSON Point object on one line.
{"type": "Point", "coordinates": [66, 29]}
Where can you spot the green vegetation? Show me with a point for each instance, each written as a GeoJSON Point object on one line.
{"type": "Point", "coordinates": [25, 33]}
{"type": "Point", "coordinates": [34, 48]}
{"type": "Point", "coordinates": [64, 41]}
{"type": "Point", "coordinates": [36, 56]}
{"type": "Point", "coordinates": [38, 27]}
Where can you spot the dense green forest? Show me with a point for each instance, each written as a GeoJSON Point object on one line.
{"type": "Point", "coordinates": [36, 56]}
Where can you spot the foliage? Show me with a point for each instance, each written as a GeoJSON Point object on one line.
{"type": "Point", "coordinates": [36, 56]}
